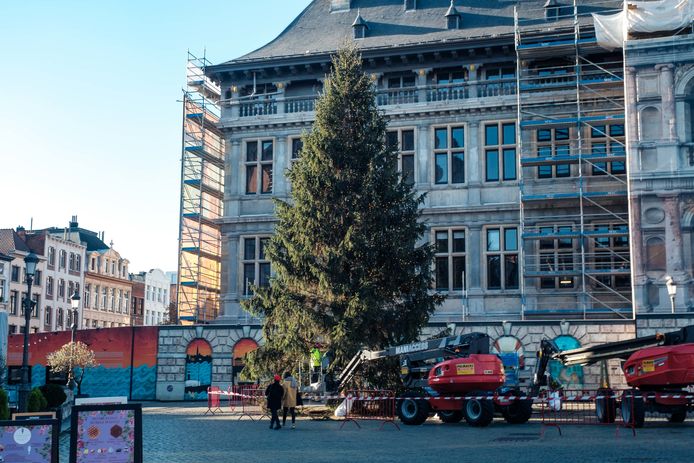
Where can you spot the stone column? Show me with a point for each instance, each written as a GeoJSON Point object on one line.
{"type": "Point", "coordinates": [422, 84]}
{"type": "Point", "coordinates": [473, 162]}
{"type": "Point", "coordinates": [638, 265]}
{"type": "Point", "coordinates": [673, 236]}
{"type": "Point", "coordinates": [231, 295]}
{"type": "Point", "coordinates": [668, 101]}
{"type": "Point", "coordinates": [281, 101]}
{"type": "Point", "coordinates": [279, 180]}
{"type": "Point", "coordinates": [233, 180]}
{"type": "Point", "coordinates": [423, 156]}
{"type": "Point", "coordinates": [632, 131]}
{"type": "Point", "coordinates": [472, 78]}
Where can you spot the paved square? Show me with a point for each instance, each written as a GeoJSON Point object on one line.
{"type": "Point", "coordinates": [179, 433]}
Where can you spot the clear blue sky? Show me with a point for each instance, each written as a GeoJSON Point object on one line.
{"type": "Point", "coordinates": [90, 118]}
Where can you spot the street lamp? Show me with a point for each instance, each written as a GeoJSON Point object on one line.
{"type": "Point", "coordinates": [75, 302]}
{"type": "Point", "coordinates": [671, 290]}
{"type": "Point", "coordinates": [30, 262]}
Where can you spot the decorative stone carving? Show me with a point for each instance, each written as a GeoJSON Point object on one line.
{"type": "Point", "coordinates": [654, 215]}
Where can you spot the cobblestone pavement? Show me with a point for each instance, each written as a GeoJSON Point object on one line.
{"type": "Point", "coordinates": [179, 433]}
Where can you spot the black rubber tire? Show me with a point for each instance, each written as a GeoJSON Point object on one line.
{"type": "Point", "coordinates": [478, 412]}
{"type": "Point", "coordinates": [450, 416]}
{"type": "Point", "coordinates": [678, 416]}
{"type": "Point", "coordinates": [633, 408]}
{"type": "Point", "coordinates": [518, 412]}
{"type": "Point", "coordinates": [412, 411]}
{"type": "Point", "coordinates": [606, 406]}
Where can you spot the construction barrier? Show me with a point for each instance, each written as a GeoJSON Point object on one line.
{"type": "Point", "coordinates": [374, 405]}
{"type": "Point", "coordinates": [248, 400]}
{"type": "Point", "coordinates": [214, 395]}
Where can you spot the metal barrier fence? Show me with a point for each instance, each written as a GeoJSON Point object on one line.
{"type": "Point", "coordinates": [375, 405]}
{"type": "Point", "coordinates": [242, 400]}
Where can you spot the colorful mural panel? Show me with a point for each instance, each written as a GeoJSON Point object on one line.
{"type": "Point", "coordinates": [510, 351]}
{"type": "Point", "coordinates": [569, 377]}
{"type": "Point", "coordinates": [127, 359]}
{"type": "Point", "coordinates": [241, 348]}
{"type": "Point", "coordinates": [198, 369]}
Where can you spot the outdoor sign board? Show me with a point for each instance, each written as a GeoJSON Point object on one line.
{"type": "Point", "coordinates": [29, 441]}
{"type": "Point", "coordinates": [106, 434]}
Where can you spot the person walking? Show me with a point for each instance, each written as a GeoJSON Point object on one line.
{"type": "Point", "coordinates": [274, 393]}
{"type": "Point", "coordinates": [289, 398]}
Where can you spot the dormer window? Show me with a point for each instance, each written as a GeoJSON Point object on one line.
{"type": "Point", "coordinates": [359, 26]}
{"type": "Point", "coordinates": [453, 17]}
{"type": "Point", "coordinates": [410, 5]}
{"type": "Point", "coordinates": [552, 9]}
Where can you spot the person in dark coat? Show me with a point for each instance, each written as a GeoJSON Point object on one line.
{"type": "Point", "coordinates": [274, 393]}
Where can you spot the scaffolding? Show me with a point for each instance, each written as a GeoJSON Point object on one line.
{"type": "Point", "coordinates": [202, 193]}
{"type": "Point", "coordinates": [573, 180]}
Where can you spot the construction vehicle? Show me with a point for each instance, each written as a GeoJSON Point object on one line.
{"type": "Point", "coordinates": [657, 368]}
{"type": "Point", "coordinates": [455, 377]}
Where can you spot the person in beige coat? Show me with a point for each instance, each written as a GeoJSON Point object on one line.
{"type": "Point", "coordinates": [289, 398]}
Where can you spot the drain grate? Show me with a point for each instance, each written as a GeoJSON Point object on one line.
{"type": "Point", "coordinates": [520, 437]}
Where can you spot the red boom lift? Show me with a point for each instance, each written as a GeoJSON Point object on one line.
{"type": "Point", "coordinates": [455, 377]}
{"type": "Point", "coordinates": [656, 367]}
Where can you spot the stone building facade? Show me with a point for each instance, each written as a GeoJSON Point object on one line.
{"type": "Point", "coordinates": [660, 113]}
{"type": "Point", "coordinates": [64, 276]}
{"type": "Point", "coordinates": [12, 244]}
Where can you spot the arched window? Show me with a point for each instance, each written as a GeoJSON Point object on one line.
{"type": "Point", "coordinates": [569, 377]}
{"type": "Point", "coordinates": [655, 254]}
{"type": "Point", "coordinates": [651, 128]}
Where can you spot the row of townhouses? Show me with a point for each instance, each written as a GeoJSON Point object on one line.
{"type": "Point", "coordinates": [73, 260]}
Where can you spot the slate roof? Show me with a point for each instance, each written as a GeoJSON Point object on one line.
{"type": "Point", "coordinates": [318, 31]}
{"type": "Point", "coordinates": [87, 237]}
{"type": "Point", "coordinates": [10, 242]}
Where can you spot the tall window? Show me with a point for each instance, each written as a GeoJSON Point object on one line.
{"type": "Point", "coordinates": [14, 276]}
{"type": "Point", "coordinates": [256, 266]}
{"type": "Point", "coordinates": [450, 259]}
{"type": "Point", "coordinates": [87, 296]}
{"type": "Point", "coordinates": [449, 155]}
{"type": "Point", "coordinates": [553, 143]}
{"type": "Point", "coordinates": [78, 263]}
{"type": "Point", "coordinates": [48, 316]}
{"type": "Point", "coordinates": [112, 306]}
{"type": "Point", "coordinates": [259, 166]}
{"type": "Point", "coordinates": [120, 300]}
{"type": "Point", "coordinates": [502, 257]}
{"type": "Point", "coordinates": [61, 288]}
{"type": "Point", "coordinates": [59, 318]}
{"type": "Point", "coordinates": [297, 146]}
{"type": "Point", "coordinates": [49, 286]}
{"type": "Point", "coordinates": [104, 298]}
{"type": "Point", "coordinates": [71, 262]}
{"type": "Point", "coordinates": [605, 141]}
{"type": "Point", "coordinates": [62, 258]}
{"type": "Point", "coordinates": [402, 141]}
{"type": "Point", "coordinates": [612, 254]}
{"type": "Point", "coordinates": [96, 297]}
{"type": "Point", "coordinates": [500, 151]}
{"type": "Point", "coordinates": [556, 256]}
{"type": "Point", "coordinates": [38, 275]}
{"type": "Point", "coordinates": [14, 302]}
{"type": "Point", "coordinates": [51, 256]}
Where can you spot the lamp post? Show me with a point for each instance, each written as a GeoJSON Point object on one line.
{"type": "Point", "coordinates": [75, 302]}
{"type": "Point", "coordinates": [672, 291]}
{"type": "Point", "coordinates": [30, 262]}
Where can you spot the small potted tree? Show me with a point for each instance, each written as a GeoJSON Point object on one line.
{"type": "Point", "coordinates": [73, 357]}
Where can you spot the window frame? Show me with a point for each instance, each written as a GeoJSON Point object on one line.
{"type": "Point", "coordinates": [258, 164]}
{"type": "Point", "coordinates": [401, 153]}
{"type": "Point", "coordinates": [450, 255]}
{"type": "Point", "coordinates": [256, 261]}
{"type": "Point", "coordinates": [557, 251]}
{"type": "Point", "coordinates": [553, 144]}
{"type": "Point", "coordinates": [501, 148]}
{"type": "Point", "coordinates": [502, 253]}
{"type": "Point", "coordinates": [612, 144]}
{"type": "Point", "coordinates": [449, 151]}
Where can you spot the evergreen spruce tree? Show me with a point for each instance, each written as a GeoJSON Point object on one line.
{"type": "Point", "coordinates": [348, 271]}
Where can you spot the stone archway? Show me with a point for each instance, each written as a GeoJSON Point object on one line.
{"type": "Point", "coordinates": [241, 348]}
